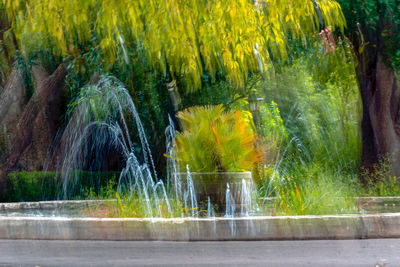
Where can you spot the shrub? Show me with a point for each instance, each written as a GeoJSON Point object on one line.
{"type": "Point", "coordinates": [379, 181]}
{"type": "Point", "coordinates": [215, 140]}
{"type": "Point", "coordinates": [90, 184]}
{"type": "Point", "coordinates": [33, 186]}
{"type": "Point", "coordinates": [39, 186]}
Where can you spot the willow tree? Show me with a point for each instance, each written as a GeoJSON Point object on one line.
{"type": "Point", "coordinates": [184, 38]}
{"type": "Point", "coordinates": [181, 39]}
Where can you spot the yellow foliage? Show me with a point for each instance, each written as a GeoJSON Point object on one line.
{"type": "Point", "coordinates": [214, 140]}
{"type": "Point", "coordinates": [188, 36]}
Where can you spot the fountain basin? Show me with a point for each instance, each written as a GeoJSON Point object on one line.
{"type": "Point", "coordinates": [63, 208]}
{"type": "Point", "coordinates": [52, 222]}
{"type": "Point", "coordinates": [207, 229]}
{"type": "Point", "coordinates": [214, 186]}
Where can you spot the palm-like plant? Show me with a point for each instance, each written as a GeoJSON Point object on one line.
{"type": "Point", "coordinates": [215, 140]}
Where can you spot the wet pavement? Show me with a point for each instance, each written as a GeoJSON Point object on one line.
{"type": "Point", "coordinates": [373, 252]}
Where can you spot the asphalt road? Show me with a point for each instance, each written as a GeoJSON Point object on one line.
{"type": "Point", "coordinates": [379, 252]}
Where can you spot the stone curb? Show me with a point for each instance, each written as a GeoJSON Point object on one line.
{"type": "Point", "coordinates": [190, 229]}
{"type": "Point", "coordinates": [74, 204]}
{"type": "Point", "coordinates": [43, 205]}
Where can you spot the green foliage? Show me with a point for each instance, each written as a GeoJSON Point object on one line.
{"type": "Point", "coordinates": [271, 124]}
{"type": "Point", "coordinates": [25, 66]}
{"type": "Point", "coordinates": [309, 123]}
{"type": "Point", "coordinates": [91, 184]}
{"type": "Point", "coordinates": [105, 192]}
{"type": "Point", "coordinates": [315, 190]}
{"type": "Point", "coordinates": [81, 68]}
{"type": "Point", "coordinates": [215, 140]}
{"type": "Point", "coordinates": [4, 143]}
{"type": "Point", "coordinates": [219, 92]}
{"type": "Point", "coordinates": [380, 182]}
{"type": "Point", "coordinates": [180, 37]}
{"type": "Point", "coordinates": [147, 89]}
{"type": "Point", "coordinates": [4, 68]}
{"type": "Point", "coordinates": [102, 104]}
{"type": "Point", "coordinates": [271, 130]}
{"type": "Point", "coordinates": [316, 193]}
{"type": "Point", "coordinates": [321, 114]}
{"type": "Point", "coordinates": [317, 167]}
{"type": "Point", "coordinates": [131, 206]}
{"type": "Point", "coordinates": [152, 101]}
{"type": "Point", "coordinates": [38, 186]}
{"type": "Point", "coordinates": [33, 186]}
{"type": "Point", "coordinates": [374, 27]}
{"type": "Point", "coordinates": [7, 47]}
{"type": "Point", "coordinates": [388, 187]}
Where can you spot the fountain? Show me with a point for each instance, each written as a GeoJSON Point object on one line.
{"type": "Point", "coordinates": [102, 125]}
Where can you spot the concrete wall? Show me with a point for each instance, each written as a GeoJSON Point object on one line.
{"type": "Point", "coordinates": [252, 228]}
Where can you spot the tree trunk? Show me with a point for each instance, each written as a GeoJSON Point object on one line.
{"type": "Point", "coordinates": [12, 100]}
{"type": "Point", "coordinates": [36, 127]}
{"type": "Point", "coordinates": [380, 94]}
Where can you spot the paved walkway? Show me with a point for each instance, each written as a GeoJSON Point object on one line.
{"type": "Point", "coordinates": [379, 252]}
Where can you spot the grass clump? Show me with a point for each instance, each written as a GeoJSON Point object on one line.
{"type": "Point", "coordinates": [316, 192]}
{"type": "Point", "coordinates": [379, 181]}
{"type": "Point", "coordinates": [129, 205]}
{"type": "Point", "coordinates": [388, 187]}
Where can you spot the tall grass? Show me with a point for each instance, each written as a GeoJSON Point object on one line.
{"type": "Point", "coordinates": [320, 105]}
{"type": "Point", "coordinates": [315, 191]}
{"type": "Point", "coordinates": [321, 113]}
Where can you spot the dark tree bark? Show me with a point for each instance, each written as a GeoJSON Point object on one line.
{"type": "Point", "coordinates": [380, 93]}
{"type": "Point", "coordinates": [36, 127]}
{"type": "Point", "coordinates": [379, 86]}
{"type": "Point", "coordinates": [373, 27]}
{"type": "Point", "coordinates": [12, 100]}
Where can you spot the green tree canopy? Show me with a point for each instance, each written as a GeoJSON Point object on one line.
{"type": "Point", "coordinates": [182, 37]}
{"type": "Point", "coordinates": [374, 27]}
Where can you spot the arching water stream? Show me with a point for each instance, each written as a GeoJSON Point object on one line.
{"type": "Point", "coordinates": [103, 121]}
